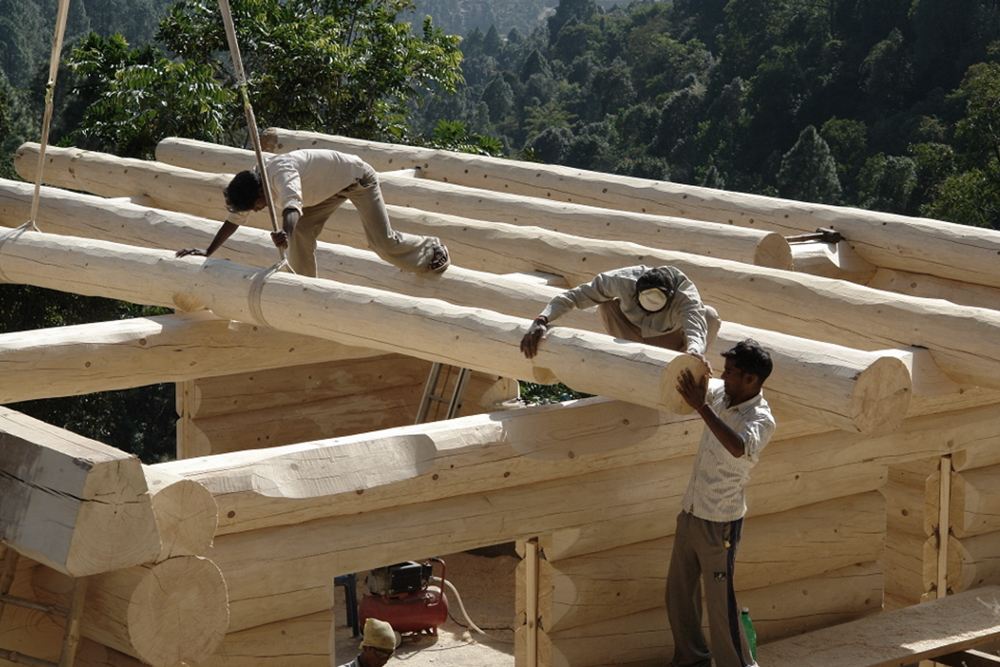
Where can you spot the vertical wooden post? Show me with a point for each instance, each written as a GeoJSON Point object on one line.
{"type": "Point", "coordinates": [531, 600]}
{"type": "Point", "coordinates": [944, 525]}
{"type": "Point", "coordinates": [71, 637]}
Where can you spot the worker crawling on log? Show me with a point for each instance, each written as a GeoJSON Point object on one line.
{"type": "Point", "coordinates": [307, 186]}
{"type": "Point", "coordinates": [738, 425]}
{"type": "Point", "coordinates": [657, 306]}
{"type": "Point", "coordinates": [377, 646]}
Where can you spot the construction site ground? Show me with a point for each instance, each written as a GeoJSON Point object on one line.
{"type": "Point", "coordinates": [485, 582]}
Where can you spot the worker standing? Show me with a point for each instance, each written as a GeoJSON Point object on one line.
{"type": "Point", "coordinates": [738, 425]}
{"type": "Point", "coordinates": [307, 186]}
{"type": "Point", "coordinates": [653, 305]}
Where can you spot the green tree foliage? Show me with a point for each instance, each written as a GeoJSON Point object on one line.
{"type": "Point", "coordinates": [340, 66]}
{"type": "Point", "coordinates": [140, 421]}
{"type": "Point", "coordinates": [808, 171]}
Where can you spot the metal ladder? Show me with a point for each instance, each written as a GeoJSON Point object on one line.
{"type": "Point", "coordinates": [453, 403]}
{"type": "Point", "coordinates": [73, 614]}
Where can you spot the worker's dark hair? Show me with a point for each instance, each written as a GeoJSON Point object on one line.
{"type": "Point", "coordinates": [243, 191]}
{"type": "Point", "coordinates": [750, 357]}
{"type": "Point", "coordinates": [656, 279]}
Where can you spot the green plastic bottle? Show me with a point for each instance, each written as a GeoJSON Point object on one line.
{"type": "Point", "coordinates": [751, 634]}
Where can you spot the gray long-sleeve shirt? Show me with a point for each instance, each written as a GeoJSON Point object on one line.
{"type": "Point", "coordinates": [685, 310]}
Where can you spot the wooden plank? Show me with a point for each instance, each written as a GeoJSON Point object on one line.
{"type": "Point", "coordinates": [72, 503]}
{"type": "Point", "coordinates": [975, 501]}
{"type": "Point", "coordinates": [920, 245]}
{"type": "Point", "coordinates": [901, 637]}
{"type": "Point", "coordinates": [969, 658]}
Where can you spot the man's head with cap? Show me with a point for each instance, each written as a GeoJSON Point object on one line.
{"type": "Point", "coordinates": [379, 643]}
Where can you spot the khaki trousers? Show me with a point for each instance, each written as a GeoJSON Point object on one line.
{"type": "Point", "coordinates": [408, 252]}
{"type": "Point", "coordinates": [705, 552]}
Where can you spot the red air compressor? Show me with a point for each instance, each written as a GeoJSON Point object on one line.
{"type": "Point", "coordinates": [402, 596]}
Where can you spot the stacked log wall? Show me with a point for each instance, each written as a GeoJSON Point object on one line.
{"type": "Point", "coordinates": [270, 408]}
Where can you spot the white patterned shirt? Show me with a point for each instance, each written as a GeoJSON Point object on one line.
{"type": "Point", "coordinates": [716, 489]}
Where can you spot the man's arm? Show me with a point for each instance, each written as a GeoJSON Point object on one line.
{"type": "Point", "coordinates": [289, 218]}
{"type": "Point", "coordinates": [227, 230]}
{"type": "Point", "coordinates": [694, 394]}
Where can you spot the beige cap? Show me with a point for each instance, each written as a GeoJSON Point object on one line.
{"type": "Point", "coordinates": [379, 634]}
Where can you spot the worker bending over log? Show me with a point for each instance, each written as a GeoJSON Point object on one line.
{"type": "Point", "coordinates": [656, 306]}
{"type": "Point", "coordinates": [738, 425]}
{"type": "Point", "coordinates": [307, 186]}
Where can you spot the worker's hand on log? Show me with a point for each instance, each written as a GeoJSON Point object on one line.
{"type": "Point", "coordinates": [692, 391]}
{"type": "Point", "coordinates": [529, 344]}
{"type": "Point", "coordinates": [701, 357]}
{"type": "Point", "coordinates": [191, 251]}
{"type": "Point", "coordinates": [280, 239]}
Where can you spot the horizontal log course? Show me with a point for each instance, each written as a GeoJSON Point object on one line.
{"type": "Point", "coordinates": [975, 501]}
{"type": "Point", "coordinates": [293, 563]}
{"type": "Point", "coordinates": [401, 189]}
{"type": "Point", "coordinates": [905, 507]}
{"type": "Point", "coordinates": [419, 463]}
{"type": "Point", "coordinates": [296, 642]}
{"type": "Point", "coordinates": [467, 337]}
{"type": "Point", "coordinates": [74, 214]}
{"type": "Point", "coordinates": [787, 302]}
{"type": "Point", "coordinates": [106, 356]}
{"type": "Point", "coordinates": [186, 514]}
{"type": "Point", "coordinates": [776, 548]}
{"type": "Point", "coordinates": [777, 611]}
{"type": "Point", "coordinates": [164, 613]}
{"type": "Point", "coordinates": [845, 388]}
{"type": "Point", "coordinates": [959, 252]}
{"type": "Point", "coordinates": [903, 561]}
{"type": "Point", "coordinates": [72, 503]}
{"type": "Point", "coordinates": [935, 287]}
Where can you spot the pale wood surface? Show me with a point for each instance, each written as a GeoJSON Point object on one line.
{"type": "Point", "coordinates": [72, 503]}
{"type": "Point", "coordinates": [106, 356]}
{"type": "Point", "coordinates": [776, 548]}
{"type": "Point", "coordinates": [975, 501]}
{"type": "Point", "coordinates": [402, 189]}
{"type": "Point", "coordinates": [296, 642]}
{"type": "Point", "coordinates": [777, 611]}
{"type": "Point", "coordinates": [186, 513]}
{"type": "Point", "coordinates": [900, 637]}
{"type": "Point", "coordinates": [920, 245]}
{"type": "Point", "coordinates": [470, 338]}
{"type": "Point", "coordinates": [412, 464]}
{"type": "Point", "coordinates": [162, 613]}
{"type": "Point", "coordinates": [846, 388]}
{"type": "Point", "coordinates": [736, 291]}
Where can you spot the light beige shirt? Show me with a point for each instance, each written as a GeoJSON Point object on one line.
{"type": "Point", "coordinates": [305, 178]}
{"type": "Point", "coordinates": [715, 492]}
{"type": "Point", "coordinates": [684, 311]}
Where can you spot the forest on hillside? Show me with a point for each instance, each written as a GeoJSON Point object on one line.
{"type": "Point", "coordinates": [890, 105]}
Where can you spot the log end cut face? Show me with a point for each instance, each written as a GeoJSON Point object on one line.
{"type": "Point", "coordinates": [178, 612]}
{"type": "Point", "coordinates": [881, 397]}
